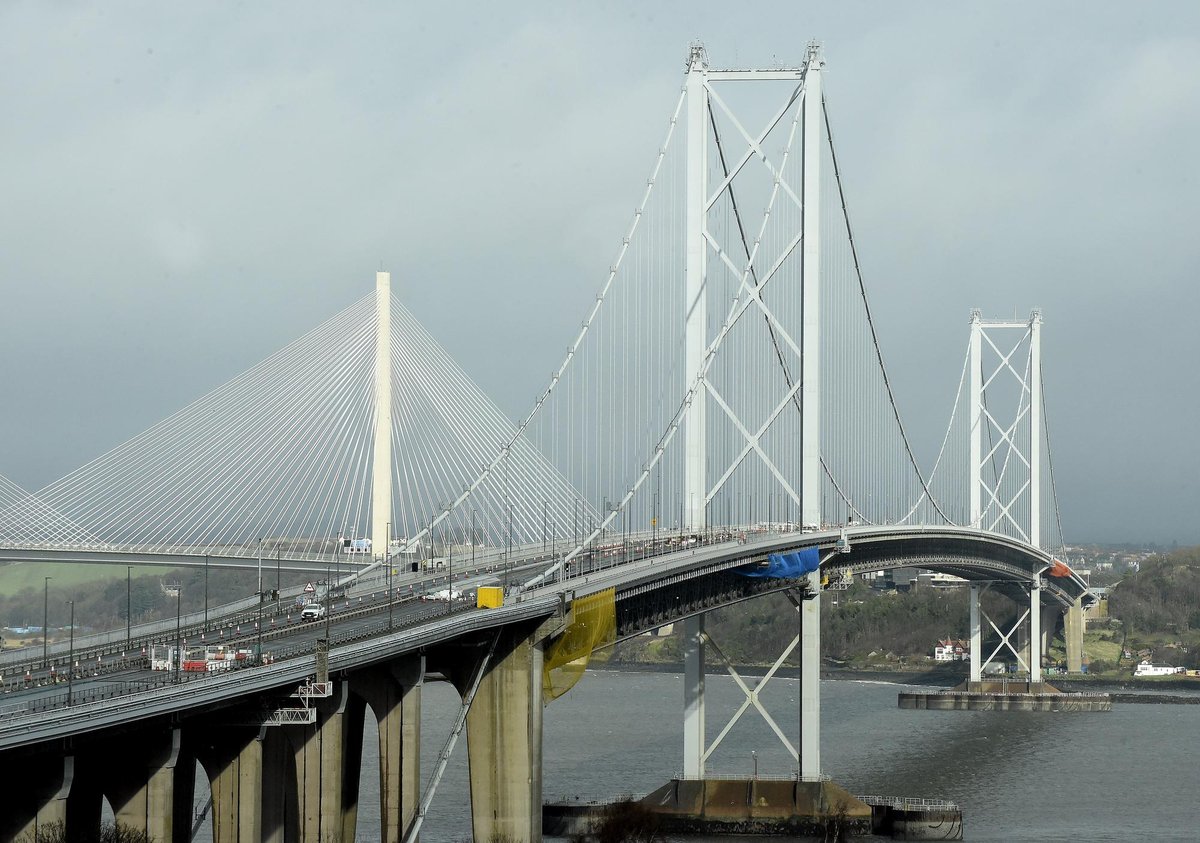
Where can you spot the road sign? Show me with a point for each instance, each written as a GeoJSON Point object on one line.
{"type": "Point", "coordinates": [310, 588]}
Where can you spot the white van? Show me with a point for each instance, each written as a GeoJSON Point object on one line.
{"type": "Point", "coordinates": [312, 611]}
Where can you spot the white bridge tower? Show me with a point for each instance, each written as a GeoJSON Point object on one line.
{"type": "Point", "coordinates": [802, 108]}
{"type": "Point", "coordinates": [1005, 468]}
{"type": "Point", "coordinates": [381, 469]}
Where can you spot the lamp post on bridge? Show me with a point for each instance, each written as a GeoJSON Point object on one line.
{"type": "Point", "coordinates": [450, 564]}
{"type": "Point", "coordinates": [128, 605]}
{"type": "Point", "coordinates": [328, 603]}
{"type": "Point", "coordinates": [206, 591]}
{"type": "Point", "coordinates": [45, 620]}
{"type": "Point", "coordinates": [178, 637]}
{"type": "Point", "coordinates": [387, 560]}
{"type": "Point", "coordinates": [258, 622]}
{"type": "Point", "coordinates": [71, 655]}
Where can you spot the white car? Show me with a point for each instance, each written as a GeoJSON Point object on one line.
{"type": "Point", "coordinates": [446, 594]}
{"type": "Point", "coordinates": [312, 611]}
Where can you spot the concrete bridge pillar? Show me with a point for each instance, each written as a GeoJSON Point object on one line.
{"type": "Point", "coordinates": [810, 680]}
{"type": "Point", "coordinates": [232, 757]}
{"type": "Point", "coordinates": [1073, 626]}
{"type": "Point", "coordinates": [1050, 614]}
{"type": "Point", "coordinates": [149, 782]}
{"type": "Point", "coordinates": [394, 694]}
{"type": "Point", "coordinates": [35, 794]}
{"type": "Point", "coordinates": [976, 674]}
{"type": "Point", "coordinates": [504, 741]}
{"type": "Point", "coordinates": [326, 757]}
{"type": "Point", "coordinates": [693, 697]}
{"type": "Point", "coordinates": [1035, 632]}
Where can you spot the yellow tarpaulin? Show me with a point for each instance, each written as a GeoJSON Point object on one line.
{"type": "Point", "coordinates": [592, 623]}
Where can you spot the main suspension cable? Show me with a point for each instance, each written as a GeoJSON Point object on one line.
{"type": "Point", "coordinates": [871, 321]}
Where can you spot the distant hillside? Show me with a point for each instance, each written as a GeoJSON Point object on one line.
{"type": "Point", "coordinates": [101, 594]}
{"type": "Point", "coordinates": [1160, 605]}
{"type": "Point", "coordinates": [862, 626]}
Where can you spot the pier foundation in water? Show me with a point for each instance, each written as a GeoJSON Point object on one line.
{"type": "Point", "coordinates": [771, 807]}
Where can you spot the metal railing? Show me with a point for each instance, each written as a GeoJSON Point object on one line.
{"type": "Point", "coordinates": [794, 776]}
{"type": "Point", "coordinates": [909, 803]}
{"type": "Point", "coordinates": [1006, 692]}
{"type": "Point", "coordinates": [139, 692]}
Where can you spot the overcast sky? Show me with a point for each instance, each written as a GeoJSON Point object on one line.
{"type": "Point", "coordinates": [184, 188]}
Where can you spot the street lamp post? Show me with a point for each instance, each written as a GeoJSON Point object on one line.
{"type": "Point", "coordinates": [258, 622]}
{"type": "Point", "coordinates": [178, 640]}
{"type": "Point", "coordinates": [387, 560]}
{"type": "Point", "coordinates": [71, 655]}
{"type": "Point", "coordinates": [206, 591]}
{"type": "Point", "coordinates": [45, 620]}
{"type": "Point", "coordinates": [328, 603]}
{"type": "Point", "coordinates": [128, 605]}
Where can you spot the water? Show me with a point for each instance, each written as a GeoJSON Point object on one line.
{"type": "Point", "coordinates": [1019, 776]}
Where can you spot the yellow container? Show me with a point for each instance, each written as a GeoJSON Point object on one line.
{"type": "Point", "coordinates": [489, 597]}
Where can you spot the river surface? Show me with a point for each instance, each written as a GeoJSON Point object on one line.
{"type": "Point", "coordinates": [1132, 774]}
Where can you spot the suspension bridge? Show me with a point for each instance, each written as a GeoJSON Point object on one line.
{"type": "Point", "coordinates": [721, 425]}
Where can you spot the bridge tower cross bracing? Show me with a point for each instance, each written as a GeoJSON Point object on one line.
{"type": "Point", "coordinates": [1003, 505]}
{"type": "Point", "coordinates": [695, 489]}
{"type": "Point", "coordinates": [992, 505]}
{"type": "Point", "coordinates": [381, 468]}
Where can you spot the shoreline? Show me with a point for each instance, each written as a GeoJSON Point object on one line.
{"type": "Point", "coordinates": [932, 678]}
{"type": "Point", "coordinates": [935, 677]}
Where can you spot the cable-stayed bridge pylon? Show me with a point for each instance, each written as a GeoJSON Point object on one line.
{"type": "Point", "coordinates": [337, 443]}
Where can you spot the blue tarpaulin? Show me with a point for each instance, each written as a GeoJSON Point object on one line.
{"type": "Point", "coordinates": [786, 565]}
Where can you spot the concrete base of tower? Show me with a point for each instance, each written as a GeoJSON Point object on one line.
{"type": "Point", "coordinates": [1004, 696]}
{"type": "Point", "coordinates": [740, 806]}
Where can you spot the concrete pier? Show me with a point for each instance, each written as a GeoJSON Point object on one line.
{"type": "Point", "coordinates": [38, 794]}
{"type": "Point", "coordinates": [394, 694]}
{"type": "Point", "coordinates": [504, 741]}
{"type": "Point", "coordinates": [234, 764]}
{"type": "Point", "coordinates": [149, 783]}
{"type": "Point", "coordinates": [819, 810]}
{"type": "Point", "coordinates": [324, 776]}
{"type": "Point", "coordinates": [1004, 696]}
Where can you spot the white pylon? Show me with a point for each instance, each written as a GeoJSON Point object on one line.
{"type": "Point", "coordinates": [381, 469]}
{"type": "Point", "coordinates": [810, 372]}
{"type": "Point", "coordinates": [695, 484]}
{"type": "Point", "coordinates": [1009, 504]}
{"type": "Point", "coordinates": [702, 99]}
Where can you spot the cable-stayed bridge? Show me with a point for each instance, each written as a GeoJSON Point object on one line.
{"type": "Point", "coordinates": [721, 425]}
